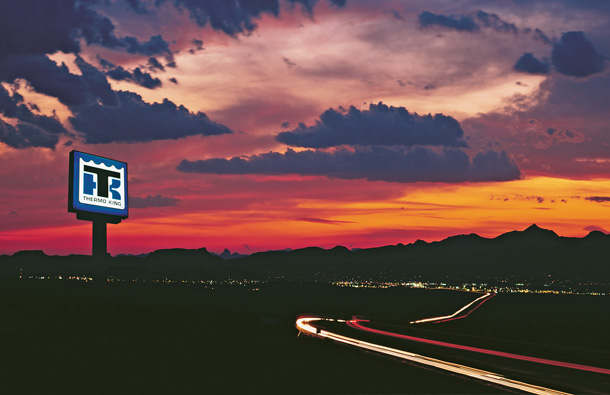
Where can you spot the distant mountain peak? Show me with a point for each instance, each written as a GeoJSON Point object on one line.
{"type": "Point", "coordinates": [596, 234]}
{"type": "Point", "coordinates": [227, 254]}
{"type": "Point", "coordinates": [535, 229]}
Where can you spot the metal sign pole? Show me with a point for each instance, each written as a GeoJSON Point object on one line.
{"type": "Point", "coordinates": [100, 241]}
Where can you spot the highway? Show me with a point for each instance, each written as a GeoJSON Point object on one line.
{"type": "Point", "coordinates": [304, 326]}
{"type": "Point", "coordinates": [357, 324]}
{"type": "Point", "coordinates": [476, 303]}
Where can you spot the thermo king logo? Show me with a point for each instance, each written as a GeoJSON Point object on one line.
{"type": "Point", "coordinates": [98, 185]}
{"type": "Point", "coordinates": [101, 185]}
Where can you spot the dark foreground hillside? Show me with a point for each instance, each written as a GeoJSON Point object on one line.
{"type": "Point", "coordinates": [70, 337]}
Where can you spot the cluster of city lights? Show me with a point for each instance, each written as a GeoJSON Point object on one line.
{"type": "Point", "coordinates": [470, 287]}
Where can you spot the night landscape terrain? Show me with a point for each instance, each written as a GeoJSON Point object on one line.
{"type": "Point", "coordinates": [187, 321]}
{"type": "Point", "coordinates": [304, 196]}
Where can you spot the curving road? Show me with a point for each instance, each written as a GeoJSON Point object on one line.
{"type": "Point", "coordinates": [356, 324]}
{"type": "Point", "coordinates": [474, 304]}
{"type": "Point", "coordinates": [304, 326]}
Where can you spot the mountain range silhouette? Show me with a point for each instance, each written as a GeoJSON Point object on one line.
{"type": "Point", "coordinates": [534, 252]}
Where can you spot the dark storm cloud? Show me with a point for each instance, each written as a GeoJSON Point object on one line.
{"type": "Point", "coordinates": [138, 76]}
{"type": "Point", "coordinates": [156, 45]}
{"type": "Point", "coordinates": [379, 125]}
{"type": "Point", "coordinates": [576, 56]}
{"type": "Point", "coordinates": [152, 201]}
{"type": "Point", "coordinates": [598, 199]}
{"type": "Point", "coordinates": [496, 23]}
{"type": "Point", "coordinates": [154, 64]}
{"type": "Point", "coordinates": [308, 5]}
{"type": "Point", "coordinates": [231, 17]}
{"type": "Point", "coordinates": [460, 23]}
{"type": "Point", "coordinates": [377, 163]}
{"type": "Point", "coordinates": [105, 64]}
{"type": "Point", "coordinates": [136, 6]}
{"type": "Point", "coordinates": [595, 5]}
{"type": "Point", "coordinates": [528, 63]}
{"type": "Point", "coordinates": [33, 29]}
{"type": "Point", "coordinates": [12, 106]}
{"type": "Point", "coordinates": [134, 120]}
{"type": "Point", "coordinates": [46, 77]}
{"type": "Point", "coordinates": [26, 135]}
{"type": "Point", "coordinates": [476, 21]}
{"type": "Point", "coordinates": [119, 74]}
{"type": "Point", "coordinates": [236, 16]}
{"type": "Point", "coordinates": [31, 130]}
{"type": "Point", "coordinates": [44, 27]}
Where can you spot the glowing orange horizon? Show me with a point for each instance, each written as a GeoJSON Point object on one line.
{"type": "Point", "coordinates": [430, 212]}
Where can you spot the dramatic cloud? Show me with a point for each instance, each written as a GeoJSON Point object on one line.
{"type": "Point", "coordinates": [376, 163]}
{"type": "Point", "coordinates": [31, 130]}
{"type": "Point", "coordinates": [26, 135]}
{"type": "Point", "coordinates": [462, 23]}
{"type": "Point", "coordinates": [379, 125]}
{"type": "Point", "coordinates": [34, 30]}
{"type": "Point", "coordinates": [45, 27]}
{"type": "Point", "coordinates": [236, 17]}
{"type": "Point", "coordinates": [231, 17]}
{"type": "Point", "coordinates": [496, 23]}
{"type": "Point", "coordinates": [154, 64]}
{"type": "Point", "coordinates": [138, 76]}
{"type": "Point", "coordinates": [46, 77]}
{"type": "Point", "coordinates": [576, 56]}
{"type": "Point", "coordinates": [308, 5]}
{"type": "Point", "coordinates": [134, 120]}
{"type": "Point", "coordinates": [12, 106]}
{"type": "Point", "coordinates": [529, 64]}
{"type": "Point", "coordinates": [136, 6]}
{"type": "Point", "coordinates": [152, 201]}
{"type": "Point", "coordinates": [598, 199]}
{"type": "Point", "coordinates": [476, 21]}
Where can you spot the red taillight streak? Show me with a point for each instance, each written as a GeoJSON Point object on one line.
{"type": "Point", "coordinates": [471, 310]}
{"type": "Point", "coordinates": [355, 324]}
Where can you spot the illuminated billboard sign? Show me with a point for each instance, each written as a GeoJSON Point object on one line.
{"type": "Point", "coordinates": [97, 185]}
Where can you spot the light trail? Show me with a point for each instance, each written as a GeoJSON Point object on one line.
{"type": "Point", "coordinates": [355, 324]}
{"type": "Point", "coordinates": [304, 326]}
{"type": "Point", "coordinates": [483, 299]}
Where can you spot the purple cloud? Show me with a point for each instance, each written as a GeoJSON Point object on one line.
{"type": "Point", "coordinates": [598, 199]}
{"type": "Point", "coordinates": [394, 164]}
{"type": "Point", "coordinates": [576, 56]}
{"type": "Point", "coordinates": [528, 63]}
{"type": "Point", "coordinates": [152, 201]}
{"type": "Point", "coordinates": [379, 125]}
{"type": "Point", "coordinates": [134, 120]}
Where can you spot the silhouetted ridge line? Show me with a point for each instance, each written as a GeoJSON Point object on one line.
{"type": "Point", "coordinates": [534, 254]}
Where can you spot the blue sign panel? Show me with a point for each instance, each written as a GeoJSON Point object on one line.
{"type": "Point", "coordinates": [97, 185]}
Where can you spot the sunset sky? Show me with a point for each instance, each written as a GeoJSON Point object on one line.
{"type": "Point", "coordinates": [269, 124]}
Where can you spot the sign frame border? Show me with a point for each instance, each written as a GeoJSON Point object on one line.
{"type": "Point", "coordinates": [94, 213]}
